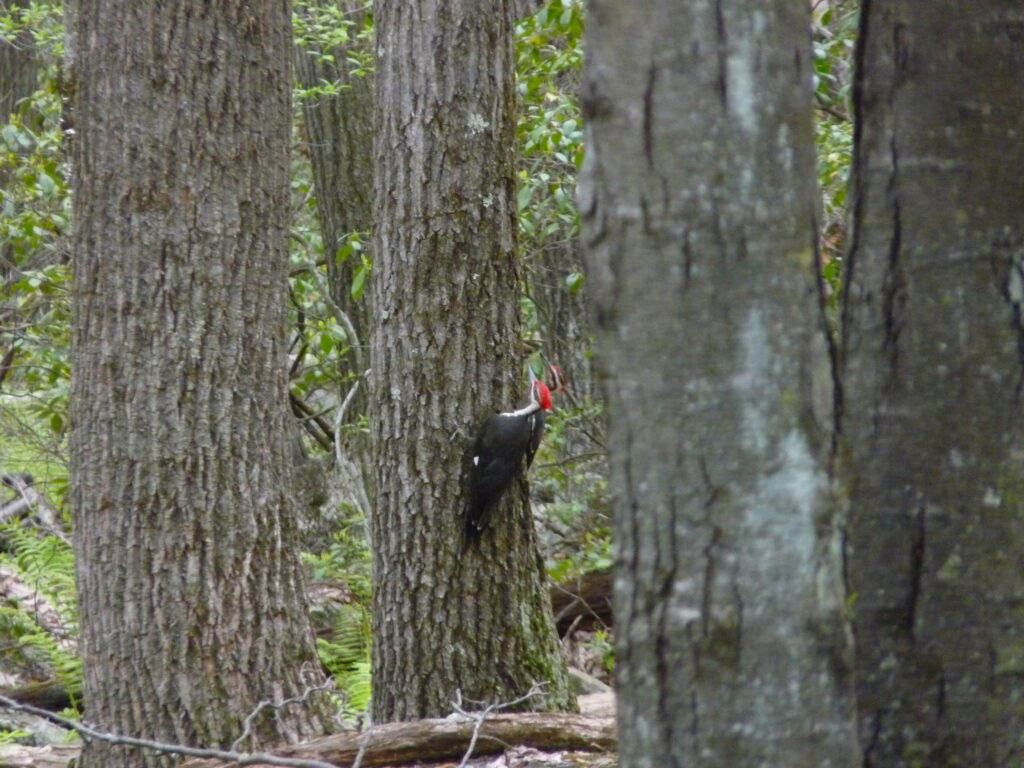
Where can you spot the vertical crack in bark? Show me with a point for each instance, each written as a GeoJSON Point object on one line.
{"type": "Point", "coordinates": [722, 48]}
{"type": "Point", "coordinates": [648, 121]}
{"type": "Point", "coordinates": [687, 260]}
{"type": "Point", "coordinates": [645, 218]}
{"type": "Point", "coordinates": [663, 651]}
{"type": "Point", "coordinates": [917, 552]}
{"type": "Point", "coordinates": [707, 588]}
{"type": "Point", "coordinates": [900, 52]}
{"type": "Point", "coordinates": [874, 733]}
{"type": "Point", "coordinates": [1013, 292]}
{"type": "Point", "coordinates": [667, 643]}
{"type": "Point", "coordinates": [893, 283]}
{"type": "Point", "coordinates": [694, 708]}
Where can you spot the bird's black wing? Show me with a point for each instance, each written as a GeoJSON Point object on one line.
{"type": "Point", "coordinates": [494, 460]}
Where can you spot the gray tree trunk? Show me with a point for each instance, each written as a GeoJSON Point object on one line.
{"type": "Point", "coordinates": [189, 584]}
{"type": "Point", "coordinates": [448, 615]}
{"type": "Point", "coordinates": [933, 376]}
{"type": "Point", "coordinates": [699, 229]}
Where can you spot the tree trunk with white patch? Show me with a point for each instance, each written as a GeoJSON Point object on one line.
{"type": "Point", "coordinates": [933, 372]}
{"type": "Point", "coordinates": [189, 581]}
{"type": "Point", "coordinates": [699, 227]}
{"type": "Point", "coordinates": [449, 615]}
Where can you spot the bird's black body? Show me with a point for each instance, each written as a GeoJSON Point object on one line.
{"type": "Point", "coordinates": [504, 446]}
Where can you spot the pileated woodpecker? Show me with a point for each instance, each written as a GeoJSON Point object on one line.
{"type": "Point", "coordinates": [505, 443]}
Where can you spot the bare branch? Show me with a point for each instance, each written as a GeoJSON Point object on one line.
{"type": "Point", "coordinates": [340, 315]}
{"type": "Point", "coordinates": [241, 758]}
{"type": "Point", "coordinates": [265, 704]}
{"type": "Point", "coordinates": [537, 689]}
{"type": "Point", "coordinates": [340, 416]}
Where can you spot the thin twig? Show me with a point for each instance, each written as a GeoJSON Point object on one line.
{"type": "Point", "coordinates": [241, 758]}
{"type": "Point", "coordinates": [536, 689]}
{"type": "Point", "coordinates": [300, 699]}
{"type": "Point", "coordinates": [364, 743]}
{"type": "Point", "coordinates": [339, 417]}
{"type": "Point", "coordinates": [575, 458]}
{"type": "Point", "coordinates": [325, 290]}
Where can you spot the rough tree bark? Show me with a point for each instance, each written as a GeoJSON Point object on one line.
{"type": "Point", "coordinates": [189, 583]}
{"type": "Point", "coordinates": [698, 209]}
{"type": "Point", "coordinates": [446, 353]}
{"type": "Point", "coordinates": [933, 376]}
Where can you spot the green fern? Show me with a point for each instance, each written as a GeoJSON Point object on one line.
{"type": "Point", "coordinates": [47, 565]}
{"type": "Point", "coordinates": [347, 655]}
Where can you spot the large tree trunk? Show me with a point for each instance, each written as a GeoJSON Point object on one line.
{"type": "Point", "coordinates": [934, 368]}
{"type": "Point", "coordinates": [189, 584]}
{"type": "Point", "coordinates": [699, 229]}
{"type": "Point", "coordinates": [448, 614]}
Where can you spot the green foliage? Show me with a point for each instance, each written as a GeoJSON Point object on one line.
{"type": "Point", "coordinates": [46, 564]}
{"type": "Point", "coordinates": [34, 217]}
{"type": "Point", "coordinates": [41, 22]}
{"type": "Point", "coordinates": [15, 737]}
{"type": "Point", "coordinates": [835, 29]}
{"type": "Point", "coordinates": [321, 29]}
{"type": "Point", "coordinates": [578, 488]}
{"type": "Point", "coordinates": [347, 655]}
{"type": "Point", "coordinates": [347, 559]}
{"type": "Point", "coordinates": [549, 58]}
{"type": "Point", "coordinates": [34, 203]}
{"type": "Point", "coordinates": [605, 648]}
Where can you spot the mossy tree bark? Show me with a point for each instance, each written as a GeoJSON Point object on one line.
{"type": "Point", "coordinates": [698, 202]}
{"type": "Point", "coordinates": [448, 615]}
{"type": "Point", "coordinates": [189, 583]}
{"type": "Point", "coordinates": [933, 371]}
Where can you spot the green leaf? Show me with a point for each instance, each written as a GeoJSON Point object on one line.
{"type": "Point", "coordinates": [359, 282]}
{"type": "Point", "coordinates": [46, 184]}
{"type": "Point", "coordinates": [523, 198]}
{"type": "Point", "coordinates": [574, 281]}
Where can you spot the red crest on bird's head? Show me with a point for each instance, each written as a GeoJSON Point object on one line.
{"type": "Point", "coordinates": [542, 394]}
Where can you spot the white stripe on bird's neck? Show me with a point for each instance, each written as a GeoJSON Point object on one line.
{"type": "Point", "coordinates": [526, 410]}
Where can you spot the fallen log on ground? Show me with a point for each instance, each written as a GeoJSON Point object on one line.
{"type": "Point", "coordinates": [435, 740]}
